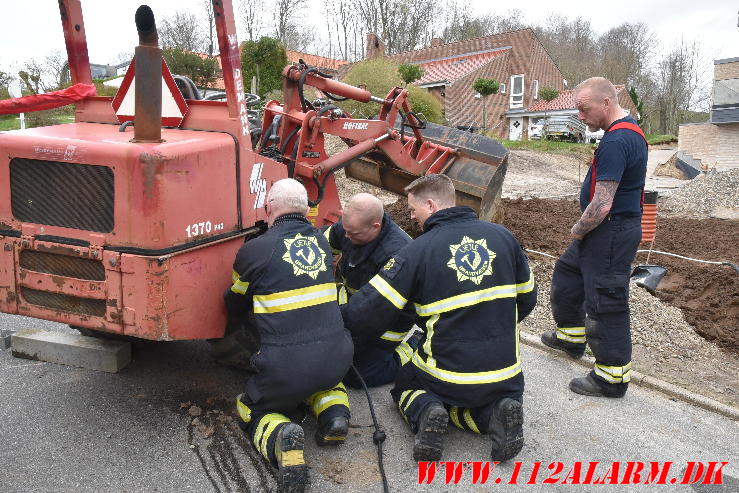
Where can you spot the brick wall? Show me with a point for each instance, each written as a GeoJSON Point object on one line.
{"type": "Point", "coordinates": [712, 144]}
{"type": "Point", "coordinates": [723, 71]}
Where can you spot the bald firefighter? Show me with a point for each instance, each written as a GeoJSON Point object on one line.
{"type": "Point", "coordinates": [366, 238]}
{"type": "Point", "coordinates": [284, 279]}
{"type": "Point", "coordinates": [470, 283]}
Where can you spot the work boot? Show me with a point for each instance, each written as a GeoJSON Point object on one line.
{"type": "Point", "coordinates": [573, 350]}
{"type": "Point", "coordinates": [292, 472]}
{"type": "Point", "coordinates": [505, 429]}
{"type": "Point", "coordinates": [429, 440]}
{"type": "Point", "coordinates": [333, 432]}
{"type": "Point", "coordinates": [588, 386]}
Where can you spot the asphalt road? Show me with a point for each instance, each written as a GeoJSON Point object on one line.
{"type": "Point", "coordinates": [65, 429]}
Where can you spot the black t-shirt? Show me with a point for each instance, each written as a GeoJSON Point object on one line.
{"type": "Point", "coordinates": [621, 157]}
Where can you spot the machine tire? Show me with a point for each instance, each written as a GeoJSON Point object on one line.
{"type": "Point", "coordinates": [236, 347]}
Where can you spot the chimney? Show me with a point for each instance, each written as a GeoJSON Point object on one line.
{"type": "Point", "coordinates": [436, 42]}
{"type": "Point", "coordinates": [375, 46]}
{"type": "Point", "coordinates": [147, 126]}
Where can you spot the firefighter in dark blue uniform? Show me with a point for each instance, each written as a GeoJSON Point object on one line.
{"type": "Point", "coordinates": [366, 238]}
{"type": "Point", "coordinates": [590, 284]}
{"type": "Point", "coordinates": [284, 279]}
{"type": "Point", "coordinates": [470, 283]}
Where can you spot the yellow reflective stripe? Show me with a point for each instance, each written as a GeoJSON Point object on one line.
{"type": "Point", "coordinates": [261, 437]}
{"type": "Point", "coordinates": [466, 299]}
{"type": "Point", "coordinates": [393, 336]}
{"type": "Point", "coordinates": [614, 374]}
{"type": "Point", "coordinates": [454, 416]}
{"type": "Point", "coordinates": [327, 235]}
{"type": "Point", "coordinates": [470, 422]}
{"type": "Point", "coordinates": [320, 401]}
{"type": "Point", "coordinates": [410, 400]}
{"type": "Point", "coordinates": [343, 299]}
{"type": "Point", "coordinates": [295, 298]}
{"type": "Point", "coordinates": [240, 287]}
{"type": "Point", "coordinates": [526, 287]}
{"type": "Point", "coordinates": [386, 290]}
{"type": "Point", "coordinates": [571, 334]}
{"type": "Point", "coordinates": [405, 352]}
{"type": "Point", "coordinates": [349, 290]}
{"type": "Point", "coordinates": [243, 410]}
{"type": "Point", "coordinates": [235, 276]}
{"type": "Point", "coordinates": [429, 334]}
{"type": "Point", "coordinates": [468, 378]}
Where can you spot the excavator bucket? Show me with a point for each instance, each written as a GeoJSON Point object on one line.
{"type": "Point", "coordinates": [477, 166]}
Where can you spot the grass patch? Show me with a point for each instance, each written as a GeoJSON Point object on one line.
{"type": "Point", "coordinates": [9, 124]}
{"type": "Point", "coordinates": [548, 146]}
{"type": "Point", "coordinates": [654, 139]}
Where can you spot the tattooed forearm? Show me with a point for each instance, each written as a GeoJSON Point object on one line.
{"type": "Point", "coordinates": [598, 208]}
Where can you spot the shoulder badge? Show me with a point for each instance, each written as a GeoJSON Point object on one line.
{"type": "Point", "coordinates": [392, 266]}
{"type": "Point", "coordinates": [304, 254]}
{"type": "Point", "coordinates": [471, 259]}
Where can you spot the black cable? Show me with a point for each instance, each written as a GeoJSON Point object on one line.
{"type": "Point", "coordinates": [378, 436]}
{"type": "Point", "coordinates": [305, 104]}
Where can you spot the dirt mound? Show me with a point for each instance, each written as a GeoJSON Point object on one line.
{"type": "Point", "coordinates": [708, 295]}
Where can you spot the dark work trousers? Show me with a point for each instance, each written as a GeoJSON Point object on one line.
{"type": "Point", "coordinates": [411, 398]}
{"type": "Point", "coordinates": [377, 365]}
{"type": "Point", "coordinates": [590, 288]}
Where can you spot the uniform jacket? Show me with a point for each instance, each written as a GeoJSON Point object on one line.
{"type": "Point", "coordinates": [360, 263]}
{"type": "Point", "coordinates": [285, 278]}
{"type": "Point", "coordinates": [470, 283]}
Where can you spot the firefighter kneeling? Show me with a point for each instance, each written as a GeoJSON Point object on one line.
{"type": "Point", "coordinates": [284, 277]}
{"type": "Point", "coordinates": [470, 282]}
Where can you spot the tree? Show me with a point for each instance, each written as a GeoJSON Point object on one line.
{"type": "Point", "coordinates": [182, 30]}
{"type": "Point", "coordinates": [211, 20]}
{"type": "Point", "coordinates": [410, 73]}
{"type": "Point", "coordinates": [251, 18]}
{"type": "Point", "coordinates": [638, 103]}
{"type": "Point", "coordinates": [378, 76]}
{"type": "Point", "coordinates": [264, 59]}
{"type": "Point", "coordinates": [202, 71]}
{"type": "Point", "coordinates": [284, 15]}
{"type": "Point", "coordinates": [464, 25]}
{"type": "Point", "coordinates": [402, 24]}
{"type": "Point", "coordinates": [572, 44]}
{"type": "Point", "coordinates": [547, 94]}
{"type": "Point", "coordinates": [485, 87]}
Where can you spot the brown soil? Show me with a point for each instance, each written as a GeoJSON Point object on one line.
{"type": "Point", "coordinates": [708, 295]}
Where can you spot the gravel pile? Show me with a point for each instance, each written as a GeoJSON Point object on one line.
{"type": "Point", "coordinates": [705, 195]}
{"type": "Point", "coordinates": [664, 344]}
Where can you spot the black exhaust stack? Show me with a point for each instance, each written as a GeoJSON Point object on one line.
{"type": "Point", "coordinates": [148, 109]}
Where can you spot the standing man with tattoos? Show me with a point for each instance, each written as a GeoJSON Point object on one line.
{"type": "Point", "coordinates": [590, 285]}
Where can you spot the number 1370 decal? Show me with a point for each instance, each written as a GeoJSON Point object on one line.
{"type": "Point", "coordinates": [201, 228]}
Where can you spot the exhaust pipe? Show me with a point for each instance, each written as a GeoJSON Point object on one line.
{"type": "Point", "coordinates": [148, 104]}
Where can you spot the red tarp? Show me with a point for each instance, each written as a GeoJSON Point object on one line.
{"type": "Point", "coordinates": [47, 101]}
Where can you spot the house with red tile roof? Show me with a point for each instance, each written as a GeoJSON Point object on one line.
{"type": "Point", "coordinates": [516, 59]}
{"type": "Point", "coordinates": [563, 104]}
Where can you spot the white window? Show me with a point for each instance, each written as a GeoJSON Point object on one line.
{"type": "Point", "coordinates": [535, 90]}
{"type": "Point", "coordinates": [516, 91]}
{"type": "Point", "coordinates": [502, 88]}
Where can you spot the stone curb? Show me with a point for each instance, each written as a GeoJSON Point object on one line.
{"type": "Point", "coordinates": [645, 381]}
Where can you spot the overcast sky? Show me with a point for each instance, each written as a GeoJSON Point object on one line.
{"type": "Point", "coordinates": [32, 29]}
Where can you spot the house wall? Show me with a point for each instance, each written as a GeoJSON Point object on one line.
{"type": "Point", "coordinates": [727, 70]}
{"type": "Point", "coordinates": [624, 100]}
{"type": "Point", "coordinates": [712, 144]}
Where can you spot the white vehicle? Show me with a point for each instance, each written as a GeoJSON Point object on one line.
{"type": "Point", "coordinates": [593, 137]}
{"type": "Point", "coordinates": [535, 129]}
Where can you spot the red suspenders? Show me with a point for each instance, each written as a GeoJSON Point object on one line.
{"type": "Point", "coordinates": [633, 128]}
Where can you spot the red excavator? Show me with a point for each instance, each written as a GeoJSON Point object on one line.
{"type": "Point", "coordinates": [132, 229]}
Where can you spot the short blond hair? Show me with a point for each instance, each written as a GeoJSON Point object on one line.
{"type": "Point", "coordinates": [438, 188]}
{"type": "Point", "coordinates": [600, 88]}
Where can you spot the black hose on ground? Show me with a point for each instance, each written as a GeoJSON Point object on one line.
{"type": "Point", "coordinates": [378, 436]}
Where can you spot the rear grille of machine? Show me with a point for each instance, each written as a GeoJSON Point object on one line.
{"type": "Point", "coordinates": [77, 196]}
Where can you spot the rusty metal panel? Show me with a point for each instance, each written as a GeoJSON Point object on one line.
{"type": "Point", "coordinates": [180, 296]}
{"type": "Point", "coordinates": [8, 296]}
